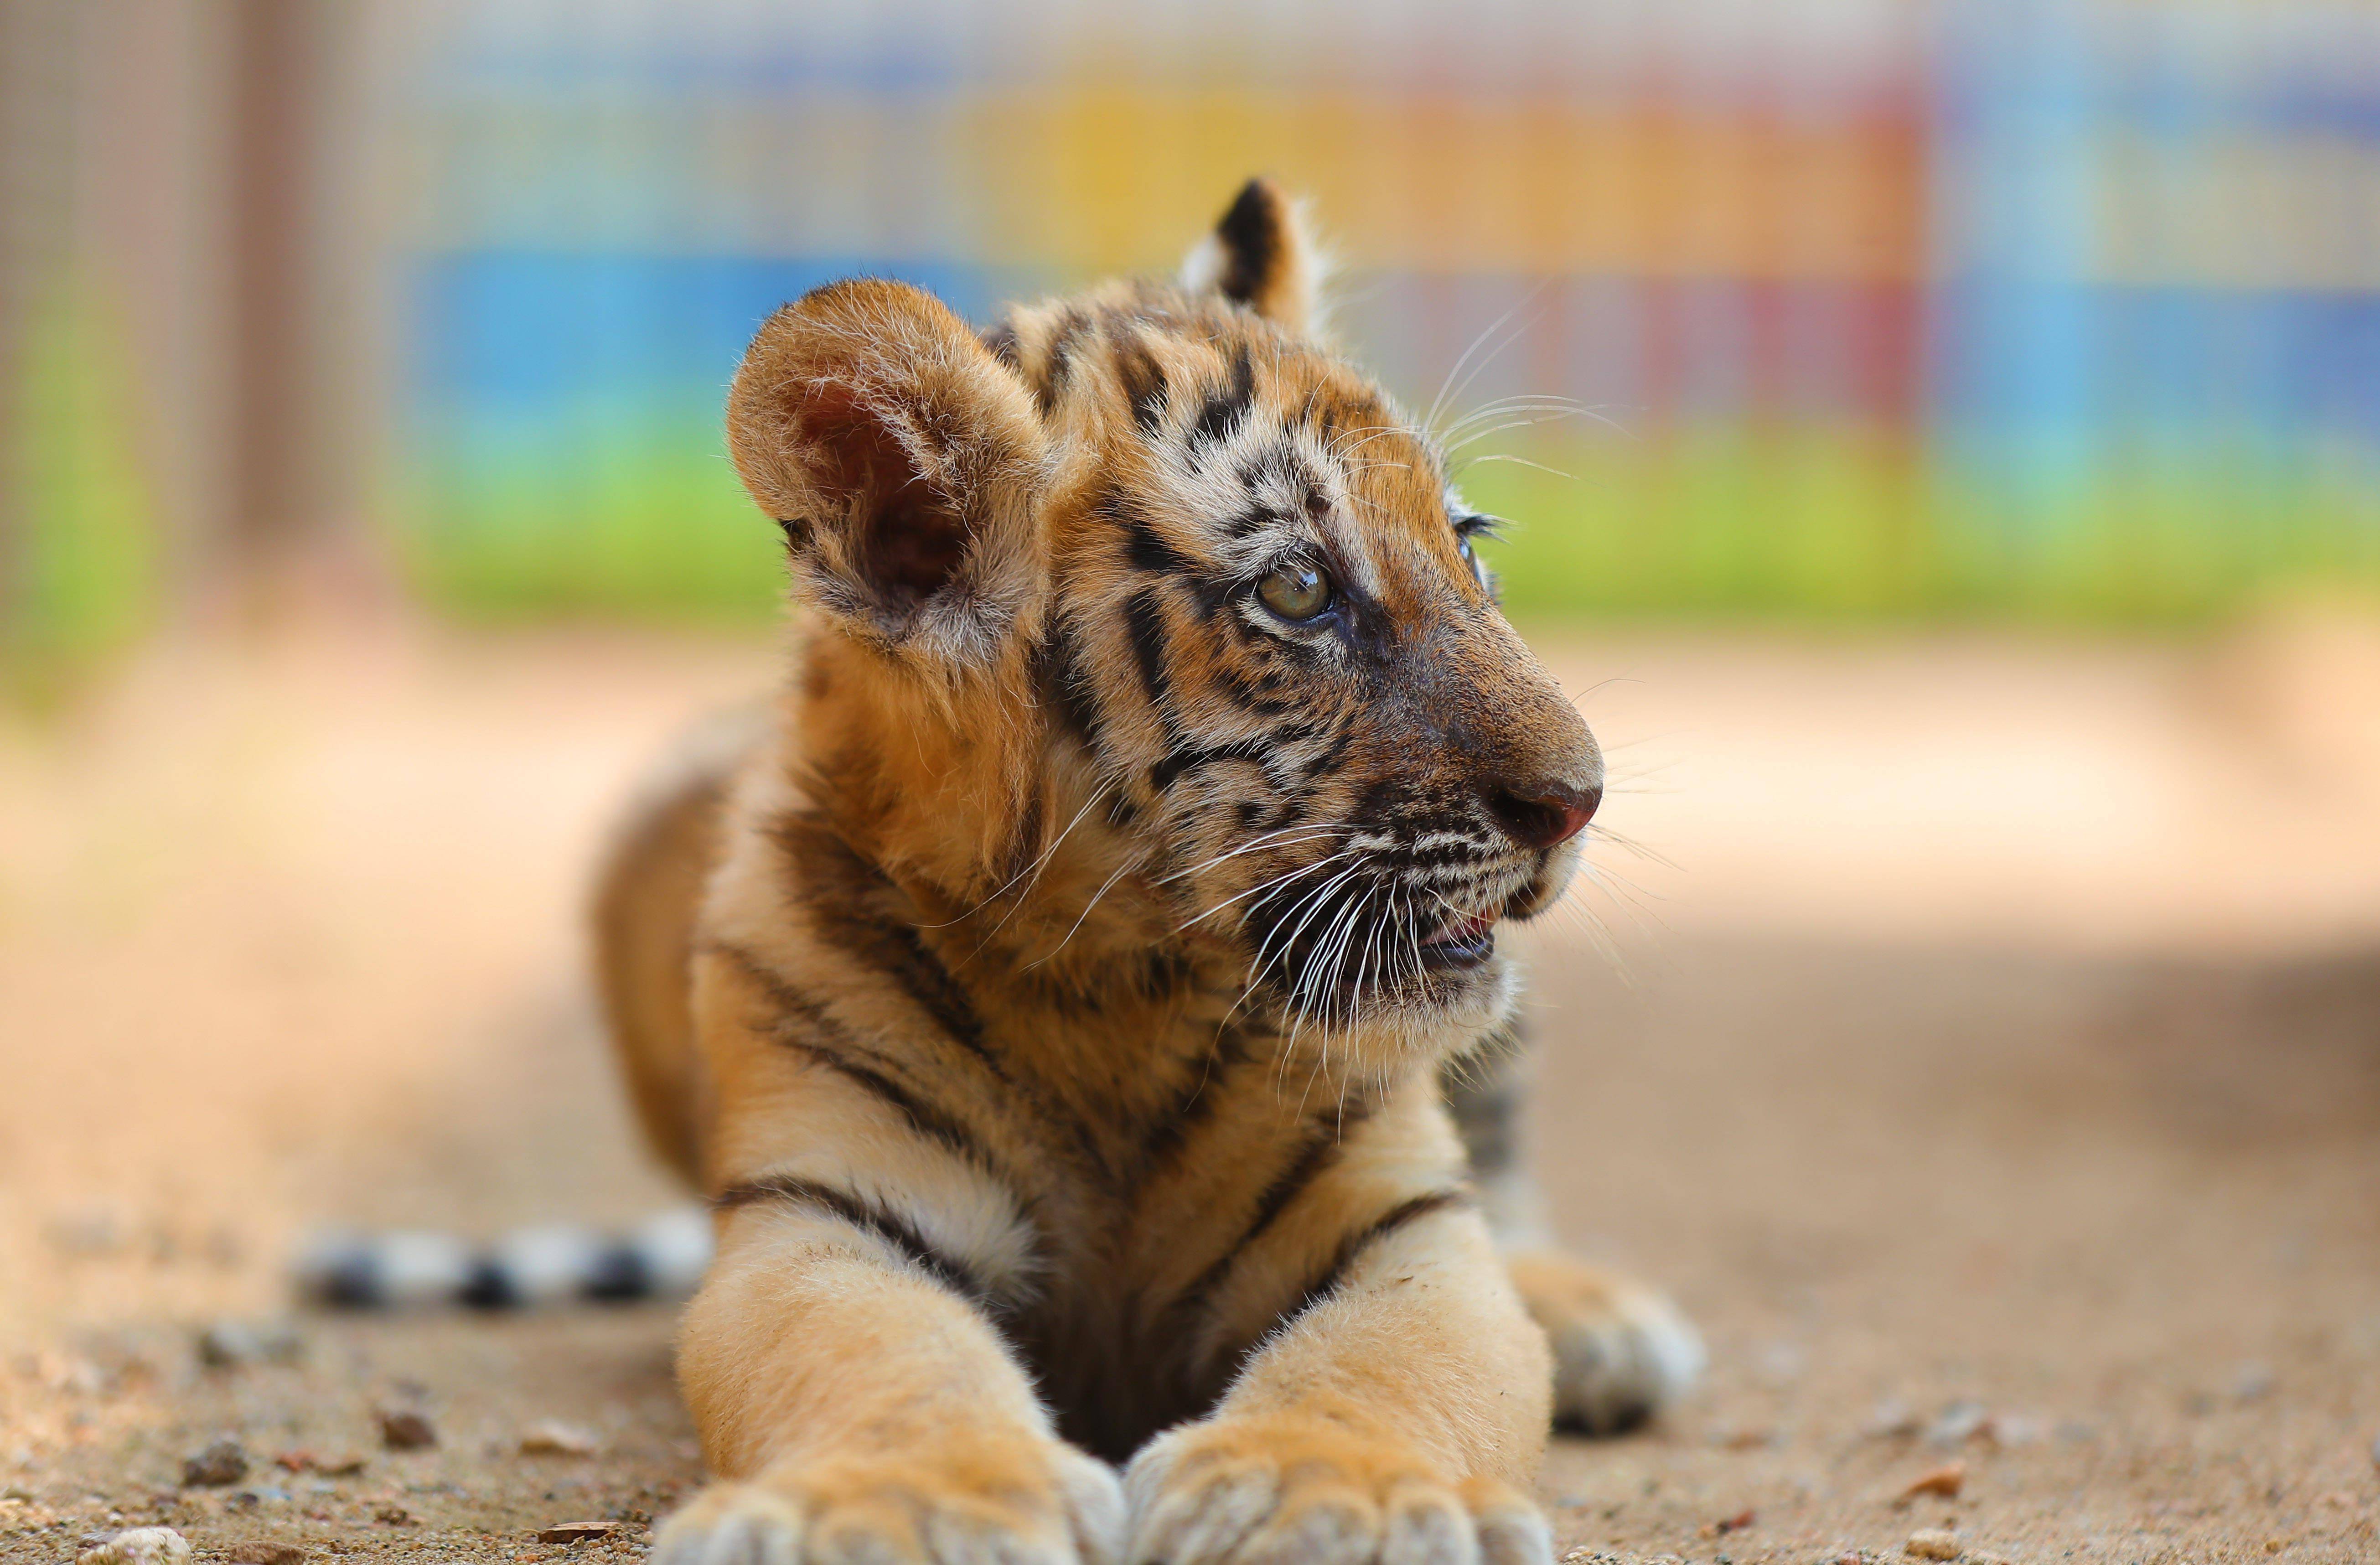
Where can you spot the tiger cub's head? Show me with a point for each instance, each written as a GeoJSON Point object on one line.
{"type": "Point", "coordinates": [1149, 634]}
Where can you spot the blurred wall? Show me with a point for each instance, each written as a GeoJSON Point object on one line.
{"type": "Point", "coordinates": [1822, 306]}
{"type": "Point", "coordinates": [195, 290]}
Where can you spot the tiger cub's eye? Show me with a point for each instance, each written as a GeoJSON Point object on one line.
{"type": "Point", "coordinates": [1295, 592]}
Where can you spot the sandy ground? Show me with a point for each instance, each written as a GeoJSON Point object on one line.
{"type": "Point", "coordinates": [1989, 1059]}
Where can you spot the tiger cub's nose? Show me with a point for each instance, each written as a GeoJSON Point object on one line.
{"type": "Point", "coordinates": [1545, 815]}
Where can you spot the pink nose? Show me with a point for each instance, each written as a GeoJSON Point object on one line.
{"type": "Point", "coordinates": [1545, 815]}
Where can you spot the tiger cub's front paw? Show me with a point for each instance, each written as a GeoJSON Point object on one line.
{"type": "Point", "coordinates": [1007, 1501]}
{"type": "Point", "coordinates": [1284, 1491]}
{"type": "Point", "coordinates": [1622, 1351]}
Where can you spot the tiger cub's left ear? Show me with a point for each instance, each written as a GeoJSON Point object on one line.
{"type": "Point", "coordinates": [903, 463]}
{"type": "Point", "coordinates": [1261, 255]}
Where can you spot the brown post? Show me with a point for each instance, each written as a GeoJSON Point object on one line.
{"type": "Point", "coordinates": [37, 69]}
{"type": "Point", "coordinates": [299, 299]}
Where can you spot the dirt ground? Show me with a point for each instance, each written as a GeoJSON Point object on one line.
{"type": "Point", "coordinates": [1989, 1061]}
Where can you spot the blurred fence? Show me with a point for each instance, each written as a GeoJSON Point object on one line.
{"type": "Point", "coordinates": [2003, 306]}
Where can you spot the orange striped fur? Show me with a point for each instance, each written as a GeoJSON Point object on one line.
{"type": "Point", "coordinates": [1060, 1024]}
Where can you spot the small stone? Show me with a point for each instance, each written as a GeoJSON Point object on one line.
{"type": "Point", "coordinates": [394, 1516]}
{"type": "Point", "coordinates": [227, 1344]}
{"type": "Point", "coordinates": [579, 1531]}
{"type": "Point", "coordinates": [549, 1438]}
{"type": "Point", "coordinates": [402, 1428]}
{"type": "Point", "coordinates": [1891, 1419]}
{"type": "Point", "coordinates": [2253, 1382]}
{"type": "Point", "coordinates": [1957, 1423]}
{"type": "Point", "coordinates": [267, 1553]}
{"type": "Point", "coordinates": [1985, 1557]}
{"type": "Point", "coordinates": [2010, 1430]}
{"type": "Point", "coordinates": [1945, 1481]}
{"type": "Point", "coordinates": [219, 1466]}
{"type": "Point", "coordinates": [1931, 1542]}
{"type": "Point", "coordinates": [141, 1545]}
{"type": "Point", "coordinates": [93, 1231]}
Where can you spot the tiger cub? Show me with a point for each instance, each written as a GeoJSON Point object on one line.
{"type": "Point", "coordinates": [1054, 992]}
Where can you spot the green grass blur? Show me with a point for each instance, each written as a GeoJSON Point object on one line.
{"type": "Point", "coordinates": [84, 552]}
{"type": "Point", "coordinates": [1807, 525]}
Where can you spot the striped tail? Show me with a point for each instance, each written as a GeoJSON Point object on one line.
{"type": "Point", "coordinates": [531, 1268]}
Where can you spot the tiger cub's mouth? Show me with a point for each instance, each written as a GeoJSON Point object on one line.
{"type": "Point", "coordinates": [1464, 941]}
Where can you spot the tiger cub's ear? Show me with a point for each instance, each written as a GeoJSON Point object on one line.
{"type": "Point", "coordinates": [902, 460]}
{"type": "Point", "coordinates": [1261, 255]}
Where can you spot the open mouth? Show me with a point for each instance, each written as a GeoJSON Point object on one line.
{"type": "Point", "coordinates": [1464, 941]}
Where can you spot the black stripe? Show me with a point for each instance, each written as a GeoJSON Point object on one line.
{"type": "Point", "coordinates": [852, 904]}
{"type": "Point", "coordinates": [1323, 1145]}
{"type": "Point", "coordinates": [889, 1226]}
{"type": "Point", "coordinates": [1149, 551]}
{"type": "Point", "coordinates": [1223, 408]}
{"type": "Point", "coordinates": [1253, 520]}
{"type": "Point", "coordinates": [1068, 688]}
{"type": "Point", "coordinates": [1195, 1104]}
{"type": "Point", "coordinates": [1168, 771]}
{"type": "Point", "coordinates": [1350, 1250]}
{"type": "Point", "coordinates": [1144, 381]}
{"type": "Point", "coordinates": [1057, 358]}
{"type": "Point", "coordinates": [1250, 233]}
{"type": "Point", "coordinates": [1000, 342]}
{"type": "Point", "coordinates": [839, 1054]}
{"type": "Point", "coordinates": [1145, 623]}
{"type": "Point", "coordinates": [1253, 693]}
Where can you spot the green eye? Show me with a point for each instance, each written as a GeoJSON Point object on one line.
{"type": "Point", "coordinates": [1295, 592]}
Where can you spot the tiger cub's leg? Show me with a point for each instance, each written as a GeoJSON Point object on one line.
{"type": "Point", "coordinates": [856, 1409]}
{"type": "Point", "coordinates": [1391, 1396]}
{"type": "Point", "coordinates": [1622, 1350]}
{"type": "Point", "coordinates": [856, 1400]}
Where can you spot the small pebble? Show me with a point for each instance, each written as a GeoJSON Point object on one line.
{"type": "Point", "coordinates": [2252, 1383]}
{"type": "Point", "coordinates": [1986, 1557]}
{"type": "Point", "coordinates": [1931, 1542]}
{"type": "Point", "coordinates": [1945, 1481]}
{"type": "Point", "coordinates": [549, 1438]}
{"type": "Point", "coordinates": [219, 1466]}
{"type": "Point", "coordinates": [94, 1232]}
{"type": "Point", "coordinates": [229, 1344]}
{"type": "Point", "coordinates": [1957, 1423]}
{"type": "Point", "coordinates": [578, 1531]}
{"type": "Point", "coordinates": [267, 1553]}
{"type": "Point", "coordinates": [1891, 1419]}
{"type": "Point", "coordinates": [2010, 1430]}
{"type": "Point", "coordinates": [402, 1428]}
{"type": "Point", "coordinates": [142, 1546]}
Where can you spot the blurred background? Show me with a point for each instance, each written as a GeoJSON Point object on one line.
{"type": "Point", "coordinates": [1975, 307]}
{"type": "Point", "coordinates": [1967, 546]}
